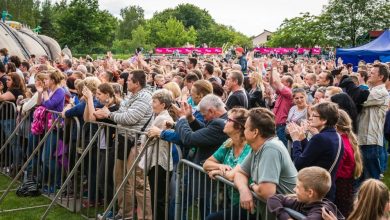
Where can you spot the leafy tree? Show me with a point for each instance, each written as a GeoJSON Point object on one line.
{"type": "Point", "coordinates": [84, 28]}
{"type": "Point", "coordinates": [132, 17]}
{"type": "Point", "coordinates": [305, 30]}
{"type": "Point", "coordinates": [140, 39]}
{"type": "Point", "coordinates": [23, 11]}
{"type": "Point", "coordinates": [188, 14]}
{"type": "Point", "coordinates": [208, 31]}
{"type": "Point", "coordinates": [174, 34]}
{"type": "Point", "coordinates": [346, 20]}
{"type": "Point", "coordinates": [218, 35]}
{"type": "Point", "coordinates": [47, 18]}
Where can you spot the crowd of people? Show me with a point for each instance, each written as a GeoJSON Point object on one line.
{"type": "Point", "coordinates": [310, 127]}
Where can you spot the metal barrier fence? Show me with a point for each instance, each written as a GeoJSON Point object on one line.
{"type": "Point", "coordinates": [39, 159]}
{"type": "Point", "coordinates": [103, 170]}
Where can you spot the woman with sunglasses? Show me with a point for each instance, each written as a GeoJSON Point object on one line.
{"type": "Point", "coordinates": [225, 160]}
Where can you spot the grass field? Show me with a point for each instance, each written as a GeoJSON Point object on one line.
{"type": "Point", "coordinates": [12, 202]}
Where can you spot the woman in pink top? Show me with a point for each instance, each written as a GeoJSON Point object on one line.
{"type": "Point", "coordinates": [350, 167]}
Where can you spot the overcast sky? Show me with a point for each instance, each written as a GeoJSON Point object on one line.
{"type": "Point", "coordinates": [250, 17]}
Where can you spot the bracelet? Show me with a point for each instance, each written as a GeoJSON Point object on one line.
{"type": "Point", "coordinates": [251, 186]}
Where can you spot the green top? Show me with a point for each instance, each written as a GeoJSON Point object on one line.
{"type": "Point", "coordinates": [225, 155]}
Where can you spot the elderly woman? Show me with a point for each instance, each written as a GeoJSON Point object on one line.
{"type": "Point", "coordinates": [162, 101]}
{"type": "Point", "coordinates": [231, 153]}
{"type": "Point", "coordinates": [325, 149]}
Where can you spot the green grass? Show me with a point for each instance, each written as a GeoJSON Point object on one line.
{"type": "Point", "coordinates": [12, 202]}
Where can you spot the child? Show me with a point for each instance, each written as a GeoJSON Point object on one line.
{"type": "Point", "coordinates": [312, 185]}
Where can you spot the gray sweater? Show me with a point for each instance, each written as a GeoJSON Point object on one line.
{"type": "Point", "coordinates": [134, 111]}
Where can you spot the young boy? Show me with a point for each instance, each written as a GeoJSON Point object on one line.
{"type": "Point", "coordinates": [312, 185]}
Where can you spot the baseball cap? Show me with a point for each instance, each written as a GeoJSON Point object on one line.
{"type": "Point", "coordinates": [240, 49]}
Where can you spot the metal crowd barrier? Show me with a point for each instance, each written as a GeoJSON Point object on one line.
{"type": "Point", "coordinates": [42, 159]}
{"type": "Point", "coordinates": [9, 158]}
{"type": "Point", "coordinates": [83, 171]}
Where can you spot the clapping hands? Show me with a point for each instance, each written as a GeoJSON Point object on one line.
{"type": "Point", "coordinates": [296, 132]}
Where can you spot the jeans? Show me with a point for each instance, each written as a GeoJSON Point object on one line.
{"type": "Point", "coordinates": [15, 150]}
{"type": "Point", "coordinates": [384, 156]}
{"type": "Point", "coordinates": [371, 161]}
{"type": "Point", "coordinates": [281, 133]}
{"type": "Point", "coordinates": [49, 160]}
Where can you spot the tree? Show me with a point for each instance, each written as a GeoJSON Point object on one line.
{"type": "Point", "coordinates": [305, 30]}
{"type": "Point", "coordinates": [188, 14]}
{"type": "Point", "coordinates": [47, 18]}
{"type": "Point", "coordinates": [132, 17]}
{"type": "Point", "coordinates": [174, 34]}
{"type": "Point", "coordinates": [141, 37]}
{"type": "Point", "coordinates": [346, 20]}
{"type": "Point", "coordinates": [218, 35]}
{"type": "Point", "coordinates": [24, 11]}
{"type": "Point", "coordinates": [84, 28]}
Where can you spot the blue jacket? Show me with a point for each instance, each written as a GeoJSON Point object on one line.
{"type": "Point", "coordinates": [243, 63]}
{"type": "Point", "coordinates": [320, 151]}
{"type": "Point", "coordinates": [78, 110]}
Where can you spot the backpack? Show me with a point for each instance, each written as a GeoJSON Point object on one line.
{"type": "Point", "coordinates": [29, 188]}
{"type": "Point", "coordinates": [38, 124]}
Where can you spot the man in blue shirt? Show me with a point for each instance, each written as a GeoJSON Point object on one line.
{"type": "Point", "coordinates": [241, 59]}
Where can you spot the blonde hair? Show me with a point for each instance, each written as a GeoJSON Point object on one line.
{"type": "Point", "coordinates": [203, 87]}
{"type": "Point", "coordinates": [258, 79]}
{"type": "Point", "coordinates": [317, 179]}
{"type": "Point", "coordinates": [92, 83]}
{"type": "Point", "coordinates": [334, 90]}
{"type": "Point", "coordinates": [79, 85]}
{"type": "Point", "coordinates": [240, 117]}
{"type": "Point", "coordinates": [174, 88]}
{"type": "Point", "coordinates": [344, 125]}
{"type": "Point", "coordinates": [372, 199]}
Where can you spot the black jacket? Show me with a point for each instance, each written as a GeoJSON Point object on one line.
{"type": "Point", "coordinates": [358, 95]}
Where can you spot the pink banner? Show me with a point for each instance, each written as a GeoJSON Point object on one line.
{"type": "Point", "coordinates": [280, 50]}
{"type": "Point", "coordinates": [180, 50]}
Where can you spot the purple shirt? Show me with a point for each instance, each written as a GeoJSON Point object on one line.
{"type": "Point", "coordinates": [56, 101]}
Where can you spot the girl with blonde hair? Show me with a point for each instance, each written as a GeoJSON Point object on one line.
{"type": "Point", "coordinates": [256, 97]}
{"type": "Point", "coordinates": [351, 165]}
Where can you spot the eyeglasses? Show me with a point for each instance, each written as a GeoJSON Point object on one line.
{"type": "Point", "coordinates": [235, 121]}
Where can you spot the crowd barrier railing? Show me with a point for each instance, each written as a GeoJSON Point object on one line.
{"type": "Point", "coordinates": [42, 156]}
{"type": "Point", "coordinates": [108, 169]}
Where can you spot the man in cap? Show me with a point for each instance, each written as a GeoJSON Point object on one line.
{"type": "Point", "coordinates": [241, 59]}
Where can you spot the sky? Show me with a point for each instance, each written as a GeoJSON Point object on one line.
{"type": "Point", "coordinates": [250, 17]}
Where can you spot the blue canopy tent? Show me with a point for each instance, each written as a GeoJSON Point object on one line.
{"type": "Point", "coordinates": [378, 49]}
